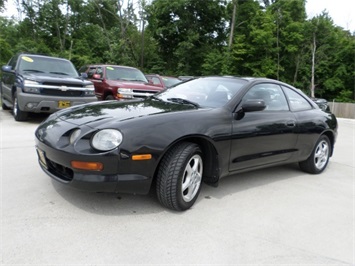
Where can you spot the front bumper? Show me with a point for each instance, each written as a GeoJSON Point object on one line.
{"type": "Point", "coordinates": [57, 164]}
{"type": "Point", "coordinates": [48, 104]}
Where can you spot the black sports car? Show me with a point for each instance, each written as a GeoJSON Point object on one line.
{"type": "Point", "coordinates": [198, 131]}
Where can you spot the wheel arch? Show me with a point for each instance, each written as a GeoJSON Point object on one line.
{"type": "Point", "coordinates": [211, 172]}
{"type": "Point", "coordinates": [331, 138]}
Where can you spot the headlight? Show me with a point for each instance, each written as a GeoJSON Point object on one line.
{"type": "Point", "coordinates": [31, 86]}
{"type": "Point", "coordinates": [90, 90]}
{"type": "Point", "coordinates": [89, 86]}
{"type": "Point", "coordinates": [106, 139]}
{"type": "Point", "coordinates": [125, 93]}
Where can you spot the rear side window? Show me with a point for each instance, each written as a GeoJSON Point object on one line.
{"type": "Point", "coordinates": [297, 101]}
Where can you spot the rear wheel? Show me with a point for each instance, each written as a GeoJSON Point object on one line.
{"type": "Point", "coordinates": [318, 160]}
{"type": "Point", "coordinates": [19, 115]}
{"type": "Point", "coordinates": [179, 176]}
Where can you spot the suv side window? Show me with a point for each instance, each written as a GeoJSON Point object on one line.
{"type": "Point", "coordinates": [13, 62]}
{"type": "Point", "coordinates": [297, 101]}
{"type": "Point", "coordinates": [99, 71]}
{"type": "Point", "coordinates": [156, 81]}
{"type": "Point", "coordinates": [271, 94]}
{"type": "Point", "coordinates": [91, 72]}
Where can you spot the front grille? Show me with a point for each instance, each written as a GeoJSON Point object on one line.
{"type": "Point", "coordinates": [60, 171]}
{"type": "Point", "coordinates": [62, 84]}
{"type": "Point", "coordinates": [142, 93]}
{"type": "Point", "coordinates": [68, 93]}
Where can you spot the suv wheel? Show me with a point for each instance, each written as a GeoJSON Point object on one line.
{"type": "Point", "coordinates": [4, 106]}
{"type": "Point", "coordinates": [109, 97]}
{"type": "Point", "coordinates": [19, 115]}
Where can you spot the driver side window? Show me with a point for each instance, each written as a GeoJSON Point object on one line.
{"type": "Point", "coordinates": [271, 94]}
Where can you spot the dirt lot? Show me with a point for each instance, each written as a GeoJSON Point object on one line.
{"type": "Point", "coordinates": [275, 216]}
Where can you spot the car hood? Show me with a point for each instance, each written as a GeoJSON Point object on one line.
{"type": "Point", "coordinates": [113, 111]}
{"type": "Point", "coordinates": [135, 85]}
{"type": "Point", "coordinates": [54, 78]}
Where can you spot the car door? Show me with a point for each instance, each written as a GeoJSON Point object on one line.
{"type": "Point", "coordinates": [8, 80]}
{"type": "Point", "coordinates": [263, 137]}
{"type": "Point", "coordinates": [98, 82]}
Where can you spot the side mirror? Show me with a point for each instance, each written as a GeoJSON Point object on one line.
{"type": "Point", "coordinates": [253, 105]}
{"type": "Point", "coordinates": [84, 75]}
{"type": "Point", "coordinates": [96, 76]}
{"type": "Point", "coordinates": [6, 68]}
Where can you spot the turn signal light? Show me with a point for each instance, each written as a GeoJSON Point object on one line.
{"type": "Point", "coordinates": [141, 157]}
{"type": "Point", "coordinates": [91, 166]}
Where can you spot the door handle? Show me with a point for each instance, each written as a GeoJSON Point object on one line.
{"type": "Point", "coordinates": [290, 123]}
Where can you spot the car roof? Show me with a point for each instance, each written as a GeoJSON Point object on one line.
{"type": "Point", "coordinates": [41, 55]}
{"type": "Point", "coordinates": [109, 65]}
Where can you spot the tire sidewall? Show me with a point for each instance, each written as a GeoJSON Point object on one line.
{"type": "Point", "coordinates": [195, 150]}
{"type": "Point", "coordinates": [315, 169]}
{"type": "Point", "coordinates": [18, 114]}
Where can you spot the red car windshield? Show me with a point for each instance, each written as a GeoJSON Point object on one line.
{"type": "Point", "coordinates": [123, 73]}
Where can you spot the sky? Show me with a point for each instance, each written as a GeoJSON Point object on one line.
{"type": "Point", "coordinates": [341, 11]}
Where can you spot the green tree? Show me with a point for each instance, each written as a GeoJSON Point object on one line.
{"type": "Point", "coordinates": [186, 30]}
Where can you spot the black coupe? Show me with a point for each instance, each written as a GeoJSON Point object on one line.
{"type": "Point", "coordinates": [198, 131]}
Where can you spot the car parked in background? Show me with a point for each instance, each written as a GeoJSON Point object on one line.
{"type": "Point", "coordinates": [118, 82]}
{"type": "Point", "coordinates": [162, 81]}
{"type": "Point", "coordinates": [197, 131]}
{"type": "Point", "coordinates": [322, 103]}
{"type": "Point", "coordinates": [42, 84]}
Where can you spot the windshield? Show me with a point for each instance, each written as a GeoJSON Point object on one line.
{"type": "Point", "coordinates": [209, 91]}
{"type": "Point", "coordinates": [47, 65]}
{"type": "Point", "coordinates": [170, 81]}
{"type": "Point", "coordinates": [124, 73]}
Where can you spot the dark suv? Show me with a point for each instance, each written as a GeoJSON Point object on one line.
{"type": "Point", "coordinates": [42, 84]}
{"type": "Point", "coordinates": [119, 82]}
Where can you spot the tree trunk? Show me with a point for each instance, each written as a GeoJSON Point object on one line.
{"type": "Point", "coordinates": [231, 36]}
{"type": "Point", "coordinates": [314, 47]}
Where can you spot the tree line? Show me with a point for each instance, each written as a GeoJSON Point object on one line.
{"type": "Point", "coordinates": [259, 38]}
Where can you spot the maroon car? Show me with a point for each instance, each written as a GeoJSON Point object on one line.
{"type": "Point", "coordinates": [162, 81]}
{"type": "Point", "coordinates": [118, 82]}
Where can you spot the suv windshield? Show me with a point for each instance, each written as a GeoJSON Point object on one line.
{"type": "Point", "coordinates": [123, 73]}
{"type": "Point", "coordinates": [48, 65]}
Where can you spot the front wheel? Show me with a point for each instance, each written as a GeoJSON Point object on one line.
{"type": "Point", "coordinates": [109, 97]}
{"type": "Point", "coordinates": [318, 160]}
{"type": "Point", "coordinates": [180, 176]}
{"type": "Point", "coordinates": [19, 115]}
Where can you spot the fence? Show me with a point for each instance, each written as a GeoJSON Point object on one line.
{"type": "Point", "coordinates": [343, 110]}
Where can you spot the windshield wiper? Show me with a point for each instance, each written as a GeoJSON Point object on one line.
{"type": "Point", "coordinates": [60, 73]}
{"type": "Point", "coordinates": [129, 79]}
{"type": "Point", "coordinates": [33, 70]}
{"type": "Point", "coordinates": [183, 101]}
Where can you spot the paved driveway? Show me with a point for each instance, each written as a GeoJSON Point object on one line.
{"type": "Point", "coordinates": [274, 216]}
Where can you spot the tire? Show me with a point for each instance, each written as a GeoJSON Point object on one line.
{"type": "Point", "coordinates": [318, 160]}
{"type": "Point", "coordinates": [179, 176]}
{"type": "Point", "coordinates": [109, 97]}
{"type": "Point", "coordinates": [4, 106]}
{"type": "Point", "coordinates": [19, 115]}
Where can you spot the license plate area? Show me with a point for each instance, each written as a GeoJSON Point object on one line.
{"type": "Point", "coordinates": [63, 104]}
{"type": "Point", "coordinates": [42, 158]}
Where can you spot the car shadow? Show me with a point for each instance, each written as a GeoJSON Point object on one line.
{"type": "Point", "coordinates": [111, 204]}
